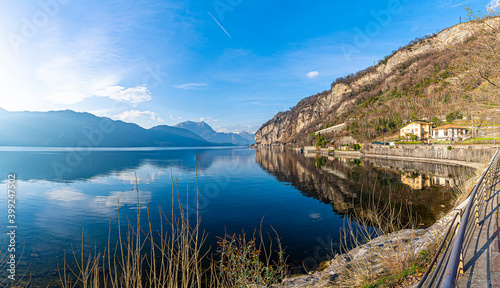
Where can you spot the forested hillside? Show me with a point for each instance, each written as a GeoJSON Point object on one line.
{"type": "Point", "coordinates": [439, 77]}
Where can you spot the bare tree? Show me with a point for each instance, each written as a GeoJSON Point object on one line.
{"type": "Point", "coordinates": [482, 51]}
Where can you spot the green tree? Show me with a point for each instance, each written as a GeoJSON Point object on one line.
{"type": "Point", "coordinates": [436, 121]}
{"type": "Point", "coordinates": [454, 115]}
{"type": "Point", "coordinates": [321, 141]}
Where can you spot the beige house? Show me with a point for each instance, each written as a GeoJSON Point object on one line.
{"type": "Point", "coordinates": [421, 129]}
{"type": "Point", "coordinates": [310, 149]}
{"type": "Point", "coordinates": [416, 181]}
{"type": "Point", "coordinates": [449, 133]}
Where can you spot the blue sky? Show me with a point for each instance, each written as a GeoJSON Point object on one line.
{"type": "Point", "coordinates": [231, 63]}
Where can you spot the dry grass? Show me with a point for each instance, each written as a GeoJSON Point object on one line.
{"type": "Point", "coordinates": [389, 253]}
{"type": "Point", "coordinates": [23, 280]}
{"type": "Point", "coordinates": [173, 260]}
{"type": "Point", "coordinates": [389, 258]}
{"type": "Point", "coordinates": [173, 257]}
{"type": "Point", "coordinates": [240, 262]}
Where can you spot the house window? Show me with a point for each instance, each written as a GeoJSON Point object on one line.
{"type": "Point", "coordinates": [446, 133]}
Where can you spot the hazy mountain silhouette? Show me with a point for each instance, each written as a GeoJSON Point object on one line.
{"type": "Point", "coordinates": [204, 130]}
{"type": "Point", "coordinates": [249, 136]}
{"type": "Point", "coordinates": [73, 129]}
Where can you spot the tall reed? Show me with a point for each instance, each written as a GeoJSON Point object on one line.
{"type": "Point", "coordinates": [173, 256]}
{"type": "Point", "coordinates": [390, 229]}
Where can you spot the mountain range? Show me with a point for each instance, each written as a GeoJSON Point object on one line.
{"type": "Point", "coordinates": [74, 129]}
{"type": "Point", "coordinates": [206, 132]}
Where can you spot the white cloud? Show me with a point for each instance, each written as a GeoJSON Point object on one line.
{"type": "Point", "coordinates": [132, 115]}
{"type": "Point", "coordinates": [64, 65]}
{"type": "Point", "coordinates": [494, 4]}
{"type": "Point", "coordinates": [237, 128]}
{"type": "Point", "coordinates": [137, 94]}
{"type": "Point", "coordinates": [175, 118]}
{"type": "Point", "coordinates": [66, 194]}
{"type": "Point", "coordinates": [312, 74]}
{"type": "Point", "coordinates": [100, 112]}
{"type": "Point", "coordinates": [71, 70]}
{"type": "Point", "coordinates": [208, 119]}
{"type": "Point", "coordinates": [191, 86]}
{"type": "Point", "coordinates": [128, 198]}
{"type": "Point", "coordinates": [146, 175]}
{"type": "Point", "coordinates": [225, 130]}
{"type": "Point", "coordinates": [450, 3]}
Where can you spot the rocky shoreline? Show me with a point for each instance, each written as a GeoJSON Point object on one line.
{"type": "Point", "coordinates": [371, 252]}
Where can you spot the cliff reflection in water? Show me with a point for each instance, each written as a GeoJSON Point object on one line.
{"type": "Point", "coordinates": [350, 185]}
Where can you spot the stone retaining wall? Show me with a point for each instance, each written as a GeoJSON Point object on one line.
{"type": "Point", "coordinates": [480, 154]}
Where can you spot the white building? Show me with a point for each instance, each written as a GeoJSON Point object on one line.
{"type": "Point", "coordinates": [421, 129]}
{"type": "Point", "coordinates": [449, 133]}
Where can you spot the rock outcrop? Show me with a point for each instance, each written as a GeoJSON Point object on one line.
{"type": "Point", "coordinates": [326, 108]}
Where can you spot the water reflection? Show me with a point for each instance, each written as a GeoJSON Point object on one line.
{"type": "Point", "coordinates": [60, 166]}
{"type": "Point", "coordinates": [348, 184]}
{"type": "Point", "coordinates": [419, 175]}
{"type": "Point", "coordinates": [415, 181]}
{"type": "Point", "coordinates": [304, 199]}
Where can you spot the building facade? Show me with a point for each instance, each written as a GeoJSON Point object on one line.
{"type": "Point", "coordinates": [449, 133]}
{"type": "Point", "coordinates": [421, 129]}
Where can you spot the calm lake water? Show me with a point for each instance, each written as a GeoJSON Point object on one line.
{"type": "Point", "coordinates": [305, 198]}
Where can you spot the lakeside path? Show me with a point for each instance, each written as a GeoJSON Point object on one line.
{"type": "Point", "coordinates": [427, 160]}
{"type": "Point", "coordinates": [482, 256]}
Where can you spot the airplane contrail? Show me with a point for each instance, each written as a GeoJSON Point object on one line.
{"type": "Point", "coordinates": [219, 25]}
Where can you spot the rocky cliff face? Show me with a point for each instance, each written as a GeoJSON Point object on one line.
{"type": "Point", "coordinates": [313, 113]}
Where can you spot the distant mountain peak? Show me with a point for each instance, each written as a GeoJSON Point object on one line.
{"type": "Point", "coordinates": [209, 134]}
{"type": "Point", "coordinates": [201, 128]}
{"type": "Point", "coordinates": [248, 136]}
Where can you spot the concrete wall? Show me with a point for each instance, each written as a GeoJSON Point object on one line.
{"type": "Point", "coordinates": [482, 153]}
{"type": "Point", "coordinates": [332, 129]}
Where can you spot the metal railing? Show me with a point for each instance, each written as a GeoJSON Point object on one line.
{"type": "Point", "coordinates": [460, 231]}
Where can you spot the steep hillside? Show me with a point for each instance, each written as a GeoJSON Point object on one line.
{"type": "Point", "coordinates": [72, 129]}
{"type": "Point", "coordinates": [206, 132]}
{"type": "Point", "coordinates": [418, 81]}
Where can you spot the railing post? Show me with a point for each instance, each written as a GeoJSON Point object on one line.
{"type": "Point", "coordinates": [461, 262]}
{"type": "Point", "coordinates": [487, 184]}
{"type": "Point", "coordinates": [476, 208]}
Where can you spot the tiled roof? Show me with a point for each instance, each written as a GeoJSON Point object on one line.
{"type": "Point", "coordinates": [418, 122]}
